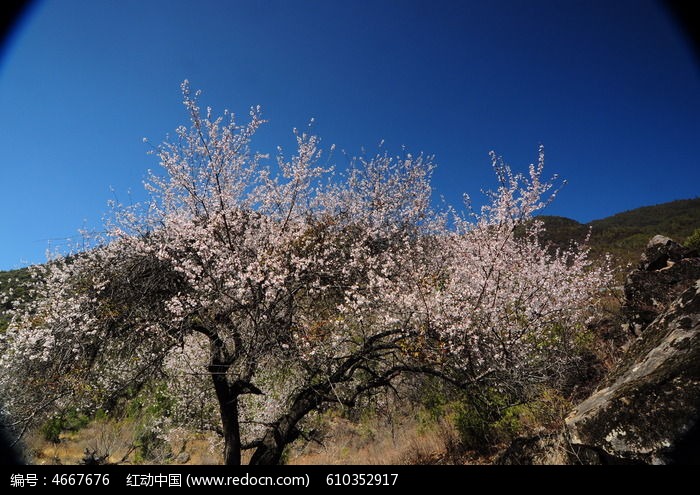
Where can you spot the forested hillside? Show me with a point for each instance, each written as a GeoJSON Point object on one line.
{"type": "Point", "coordinates": [625, 234]}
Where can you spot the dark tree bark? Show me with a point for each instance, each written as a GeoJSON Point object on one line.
{"type": "Point", "coordinates": [228, 408]}
{"type": "Point", "coordinates": [227, 397]}
{"type": "Point", "coordinates": [270, 449]}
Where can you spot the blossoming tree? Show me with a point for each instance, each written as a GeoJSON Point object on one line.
{"type": "Point", "coordinates": [513, 310]}
{"type": "Point", "coordinates": [264, 293]}
{"type": "Point", "coordinates": [237, 276]}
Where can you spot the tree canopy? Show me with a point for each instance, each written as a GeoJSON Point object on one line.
{"type": "Point", "coordinates": [262, 293]}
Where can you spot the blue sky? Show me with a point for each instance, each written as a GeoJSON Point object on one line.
{"type": "Point", "coordinates": [610, 88]}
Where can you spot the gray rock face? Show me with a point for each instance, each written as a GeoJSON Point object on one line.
{"type": "Point", "coordinates": [666, 270]}
{"type": "Point", "coordinates": [648, 409]}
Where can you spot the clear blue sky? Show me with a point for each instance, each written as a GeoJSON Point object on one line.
{"type": "Point", "coordinates": [610, 88]}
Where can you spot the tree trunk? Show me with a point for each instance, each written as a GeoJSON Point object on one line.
{"type": "Point", "coordinates": [226, 394]}
{"type": "Point", "coordinates": [269, 451]}
{"type": "Point", "coordinates": [228, 408]}
{"type": "Point", "coordinates": [284, 431]}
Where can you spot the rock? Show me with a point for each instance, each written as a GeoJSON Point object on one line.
{"type": "Point", "coordinates": [182, 458]}
{"type": "Point", "coordinates": [92, 458]}
{"type": "Point", "coordinates": [666, 269]}
{"type": "Point", "coordinates": [648, 409]}
{"type": "Point", "coordinates": [659, 252]}
{"type": "Point", "coordinates": [538, 450]}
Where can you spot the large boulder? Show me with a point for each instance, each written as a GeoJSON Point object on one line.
{"type": "Point", "coordinates": [666, 270]}
{"type": "Point", "coordinates": [648, 409]}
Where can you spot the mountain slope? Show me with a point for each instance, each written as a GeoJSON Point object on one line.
{"type": "Point", "coordinates": [624, 235]}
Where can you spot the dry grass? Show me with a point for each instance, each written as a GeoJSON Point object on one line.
{"type": "Point", "coordinates": [117, 440]}
{"type": "Point", "coordinates": [378, 441]}
{"type": "Point", "coordinates": [374, 440]}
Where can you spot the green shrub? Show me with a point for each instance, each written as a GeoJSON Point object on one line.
{"type": "Point", "coordinates": [693, 240]}
{"type": "Point", "coordinates": [70, 421]}
{"type": "Point", "coordinates": [490, 419]}
{"type": "Point", "coordinates": [477, 419]}
{"type": "Point", "coordinates": [151, 447]}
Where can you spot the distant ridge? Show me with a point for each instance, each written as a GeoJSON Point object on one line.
{"type": "Point", "coordinates": [625, 234]}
